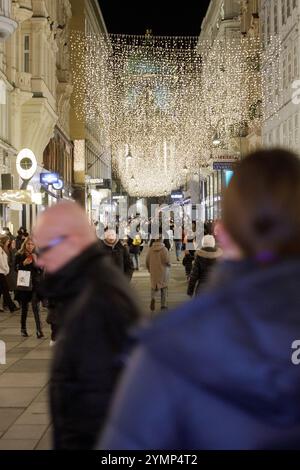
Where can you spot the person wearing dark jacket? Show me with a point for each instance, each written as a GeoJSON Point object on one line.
{"type": "Point", "coordinates": [135, 243]}
{"type": "Point", "coordinates": [205, 260]}
{"type": "Point", "coordinates": [21, 235]}
{"type": "Point", "coordinates": [4, 272]}
{"type": "Point", "coordinates": [26, 260]}
{"type": "Point", "coordinates": [188, 261]}
{"type": "Point", "coordinates": [95, 309]}
{"type": "Point", "coordinates": [113, 247]}
{"type": "Point", "coordinates": [223, 367]}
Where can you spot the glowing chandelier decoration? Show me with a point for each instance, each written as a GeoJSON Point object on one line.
{"type": "Point", "coordinates": [159, 101]}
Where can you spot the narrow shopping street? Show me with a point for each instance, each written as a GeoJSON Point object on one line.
{"type": "Point", "coordinates": [24, 419]}
{"type": "Point", "coordinates": [149, 230]}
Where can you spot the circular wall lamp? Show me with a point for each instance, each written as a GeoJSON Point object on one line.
{"type": "Point", "coordinates": [26, 164]}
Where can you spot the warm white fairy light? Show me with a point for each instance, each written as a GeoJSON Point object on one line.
{"type": "Point", "coordinates": [162, 100]}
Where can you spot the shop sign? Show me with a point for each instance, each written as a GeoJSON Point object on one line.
{"type": "Point", "coordinates": [224, 165]}
{"type": "Point", "coordinates": [59, 185]}
{"type": "Point", "coordinates": [176, 195]}
{"type": "Point", "coordinates": [105, 184]}
{"type": "Point", "coordinates": [19, 197]}
{"type": "Point", "coordinates": [96, 181]}
{"type": "Point", "coordinates": [47, 179]}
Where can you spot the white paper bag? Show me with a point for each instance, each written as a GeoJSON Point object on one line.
{"type": "Point", "coordinates": [24, 279]}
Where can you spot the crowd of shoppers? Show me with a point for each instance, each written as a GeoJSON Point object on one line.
{"type": "Point", "coordinates": [217, 372]}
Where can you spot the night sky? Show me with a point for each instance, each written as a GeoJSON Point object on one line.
{"type": "Point", "coordinates": [164, 17]}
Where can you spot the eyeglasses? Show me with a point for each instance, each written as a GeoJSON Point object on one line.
{"type": "Point", "coordinates": [56, 241]}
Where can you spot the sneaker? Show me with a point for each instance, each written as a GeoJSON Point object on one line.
{"type": "Point", "coordinates": [152, 305]}
{"type": "Point", "coordinates": [39, 334]}
{"type": "Point", "coordinates": [24, 333]}
{"type": "Point", "coordinates": [52, 343]}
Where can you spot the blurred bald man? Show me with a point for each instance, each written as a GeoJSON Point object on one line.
{"type": "Point", "coordinates": [95, 309]}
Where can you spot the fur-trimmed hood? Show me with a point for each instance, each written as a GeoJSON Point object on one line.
{"type": "Point", "coordinates": [209, 253]}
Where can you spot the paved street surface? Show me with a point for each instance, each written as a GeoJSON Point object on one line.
{"type": "Point", "coordinates": [24, 419]}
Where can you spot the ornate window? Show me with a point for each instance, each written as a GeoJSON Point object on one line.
{"type": "Point", "coordinates": [283, 12]}
{"type": "Point", "coordinates": [296, 71]}
{"type": "Point", "coordinates": [275, 17]}
{"type": "Point", "coordinates": [26, 59]}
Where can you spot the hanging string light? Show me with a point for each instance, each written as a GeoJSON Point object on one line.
{"type": "Point", "coordinates": [162, 100]}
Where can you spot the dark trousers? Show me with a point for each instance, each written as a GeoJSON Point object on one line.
{"type": "Point", "coordinates": [54, 331]}
{"type": "Point", "coordinates": [35, 303]}
{"type": "Point", "coordinates": [5, 292]}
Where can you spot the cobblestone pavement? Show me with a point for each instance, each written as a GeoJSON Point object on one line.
{"type": "Point", "coordinates": [24, 419]}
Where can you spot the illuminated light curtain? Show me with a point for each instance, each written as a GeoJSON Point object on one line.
{"type": "Point", "coordinates": [164, 98]}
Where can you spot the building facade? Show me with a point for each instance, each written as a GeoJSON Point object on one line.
{"type": "Point", "coordinates": [227, 20]}
{"type": "Point", "coordinates": [281, 18]}
{"type": "Point", "coordinates": [35, 82]}
{"type": "Point", "coordinates": [92, 158]}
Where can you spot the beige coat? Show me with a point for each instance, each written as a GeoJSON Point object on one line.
{"type": "Point", "coordinates": [158, 265]}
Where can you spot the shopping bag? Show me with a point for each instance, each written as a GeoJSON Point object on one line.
{"type": "Point", "coordinates": [24, 281]}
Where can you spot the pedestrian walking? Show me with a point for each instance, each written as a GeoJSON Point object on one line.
{"type": "Point", "coordinates": [119, 253]}
{"type": "Point", "coordinates": [28, 280]}
{"type": "Point", "coordinates": [134, 243]}
{"type": "Point", "coordinates": [222, 368]}
{"type": "Point", "coordinates": [94, 310]}
{"type": "Point", "coordinates": [158, 265]}
{"type": "Point", "coordinates": [204, 262]}
{"type": "Point", "coordinates": [4, 272]}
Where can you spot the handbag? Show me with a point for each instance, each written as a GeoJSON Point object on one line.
{"type": "Point", "coordinates": [24, 280]}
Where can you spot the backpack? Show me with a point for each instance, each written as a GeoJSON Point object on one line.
{"type": "Point", "coordinates": [137, 240]}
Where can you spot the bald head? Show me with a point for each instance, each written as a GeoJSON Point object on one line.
{"type": "Point", "coordinates": [62, 232]}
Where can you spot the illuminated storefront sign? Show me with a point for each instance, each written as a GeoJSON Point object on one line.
{"type": "Point", "coordinates": [20, 197]}
{"type": "Point", "coordinates": [229, 165]}
{"type": "Point", "coordinates": [176, 195]}
{"type": "Point", "coordinates": [59, 185]}
{"type": "Point", "coordinates": [47, 179]}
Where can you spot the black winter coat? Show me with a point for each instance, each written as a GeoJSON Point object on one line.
{"type": "Point", "coordinates": [188, 262]}
{"type": "Point", "coordinates": [95, 308]}
{"type": "Point", "coordinates": [205, 260]}
{"type": "Point", "coordinates": [134, 249]}
{"type": "Point", "coordinates": [120, 256]}
{"type": "Point", "coordinates": [36, 277]}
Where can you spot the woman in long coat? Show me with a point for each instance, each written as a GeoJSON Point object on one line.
{"type": "Point", "coordinates": [158, 265]}
{"type": "Point", "coordinates": [26, 261]}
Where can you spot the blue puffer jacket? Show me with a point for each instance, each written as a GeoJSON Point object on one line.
{"type": "Point", "coordinates": [217, 373]}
